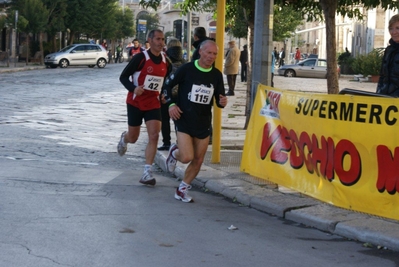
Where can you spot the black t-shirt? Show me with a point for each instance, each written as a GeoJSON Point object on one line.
{"type": "Point", "coordinates": [188, 77]}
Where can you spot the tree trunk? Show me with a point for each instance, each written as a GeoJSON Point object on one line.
{"type": "Point", "coordinates": [54, 43]}
{"type": "Point", "coordinates": [250, 37]}
{"type": "Point", "coordinates": [41, 48]}
{"type": "Point", "coordinates": [71, 37]}
{"type": "Point", "coordinates": [249, 73]}
{"type": "Point", "coordinates": [329, 10]}
{"type": "Point", "coordinates": [27, 49]}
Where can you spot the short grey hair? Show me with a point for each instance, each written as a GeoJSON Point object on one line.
{"type": "Point", "coordinates": [204, 43]}
{"type": "Point", "coordinates": [151, 34]}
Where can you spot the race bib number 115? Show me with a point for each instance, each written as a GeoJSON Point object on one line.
{"type": "Point", "coordinates": [201, 94]}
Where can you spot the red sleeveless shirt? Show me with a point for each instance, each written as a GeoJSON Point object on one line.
{"type": "Point", "coordinates": [152, 77]}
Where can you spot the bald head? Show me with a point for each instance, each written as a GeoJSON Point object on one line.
{"type": "Point", "coordinates": [208, 52]}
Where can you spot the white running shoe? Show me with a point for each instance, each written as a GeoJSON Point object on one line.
{"type": "Point", "coordinates": [182, 194]}
{"type": "Point", "coordinates": [148, 178]}
{"type": "Point", "coordinates": [170, 160]}
{"type": "Point", "coordinates": [120, 147]}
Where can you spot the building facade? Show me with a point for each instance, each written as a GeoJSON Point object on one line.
{"type": "Point", "coordinates": [359, 37]}
{"type": "Point", "coordinates": [174, 24]}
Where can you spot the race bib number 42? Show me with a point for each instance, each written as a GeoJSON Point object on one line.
{"type": "Point", "coordinates": [201, 94]}
{"type": "Point", "coordinates": [153, 83]}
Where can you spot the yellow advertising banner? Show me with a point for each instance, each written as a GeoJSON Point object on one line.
{"type": "Point", "coordinates": [340, 149]}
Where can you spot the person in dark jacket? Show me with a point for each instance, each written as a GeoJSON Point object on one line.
{"type": "Point", "coordinates": [199, 36]}
{"type": "Point", "coordinates": [281, 56]}
{"type": "Point", "coordinates": [388, 84]}
{"type": "Point", "coordinates": [174, 52]}
{"type": "Point", "coordinates": [244, 63]}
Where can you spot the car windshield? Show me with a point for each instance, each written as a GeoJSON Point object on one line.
{"type": "Point", "coordinates": [66, 48]}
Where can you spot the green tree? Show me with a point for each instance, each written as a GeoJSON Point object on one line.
{"type": "Point", "coordinates": [285, 21]}
{"type": "Point", "coordinates": [237, 25]}
{"type": "Point", "coordinates": [33, 15]}
{"type": "Point", "coordinates": [78, 18]}
{"type": "Point", "coordinates": [55, 22]}
{"type": "Point", "coordinates": [106, 14]}
{"type": "Point", "coordinates": [3, 19]}
{"type": "Point", "coordinates": [125, 24]}
{"type": "Point", "coordinates": [99, 19]}
{"type": "Point", "coordinates": [94, 18]}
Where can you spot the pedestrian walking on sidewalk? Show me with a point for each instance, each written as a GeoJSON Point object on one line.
{"type": "Point", "coordinates": [174, 53]}
{"type": "Point", "coordinates": [297, 55]}
{"type": "Point", "coordinates": [231, 66]}
{"type": "Point", "coordinates": [118, 52]}
{"type": "Point", "coordinates": [199, 36]}
{"type": "Point", "coordinates": [276, 55]}
{"type": "Point", "coordinates": [282, 57]}
{"type": "Point", "coordinates": [148, 70]}
{"type": "Point", "coordinates": [272, 67]}
{"type": "Point", "coordinates": [199, 85]}
{"type": "Point", "coordinates": [244, 63]}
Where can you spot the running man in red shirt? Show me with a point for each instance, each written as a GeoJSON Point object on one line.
{"type": "Point", "coordinates": [147, 70]}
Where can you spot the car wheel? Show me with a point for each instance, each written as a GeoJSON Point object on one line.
{"type": "Point", "coordinates": [101, 63]}
{"type": "Point", "coordinates": [64, 63]}
{"type": "Point", "coordinates": [289, 73]}
{"type": "Point", "coordinates": [92, 66]}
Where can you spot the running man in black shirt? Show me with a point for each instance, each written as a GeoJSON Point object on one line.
{"type": "Point", "coordinates": [199, 85]}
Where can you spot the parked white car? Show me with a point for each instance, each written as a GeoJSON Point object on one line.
{"type": "Point", "coordinates": [78, 55]}
{"type": "Point", "coordinates": [309, 68]}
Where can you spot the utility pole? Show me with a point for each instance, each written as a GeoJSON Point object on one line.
{"type": "Point", "coordinates": [188, 48]}
{"type": "Point", "coordinates": [217, 113]}
{"type": "Point", "coordinates": [14, 51]}
{"type": "Point", "coordinates": [263, 43]}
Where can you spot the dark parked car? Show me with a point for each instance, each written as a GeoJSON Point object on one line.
{"type": "Point", "coordinates": [78, 54]}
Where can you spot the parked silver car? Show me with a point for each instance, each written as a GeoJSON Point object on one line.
{"type": "Point", "coordinates": [78, 54]}
{"type": "Point", "coordinates": [310, 68]}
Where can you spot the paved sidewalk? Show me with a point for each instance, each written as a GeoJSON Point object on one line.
{"type": "Point", "coordinates": [225, 178]}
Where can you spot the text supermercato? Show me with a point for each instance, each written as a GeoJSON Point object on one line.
{"type": "Point", "coordinates": [344, 111]}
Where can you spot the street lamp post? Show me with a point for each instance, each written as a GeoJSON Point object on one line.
{"type": "Point", "coordinates": [16, 39]}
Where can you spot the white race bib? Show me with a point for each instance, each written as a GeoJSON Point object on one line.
{"type": "Point", "coordinates": [201, 94]}
{"type": "Point", "coordinates": [153, 83]}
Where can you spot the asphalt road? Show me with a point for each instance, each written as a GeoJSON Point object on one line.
{"type": "Point", "coordinates": [68, 199]}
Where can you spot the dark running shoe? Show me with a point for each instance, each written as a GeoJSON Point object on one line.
{"type": "Point", "coordinates": [164, 147]}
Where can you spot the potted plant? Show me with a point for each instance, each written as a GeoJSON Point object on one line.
{"type": "Point", "coordinates": [369, 65]}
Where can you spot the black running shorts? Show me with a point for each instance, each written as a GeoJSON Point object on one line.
{"type": "Point", "coordinates": [135, 116]}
